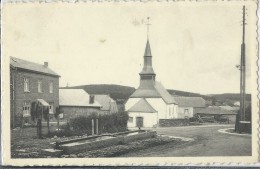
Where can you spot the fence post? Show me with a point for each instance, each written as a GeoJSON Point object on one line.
{"type": "Point", "coordinates": [93, 127]}
{"type": "Point", "coordinates": [97, 126]}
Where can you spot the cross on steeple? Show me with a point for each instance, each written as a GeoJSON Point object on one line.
{"type": "Point", "coordinates": [148, 24]}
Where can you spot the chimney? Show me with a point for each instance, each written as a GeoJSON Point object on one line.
{"type": "Point", "coordinates": [91, 99]}
{"type": "Point", "coordinates": [45, 64]}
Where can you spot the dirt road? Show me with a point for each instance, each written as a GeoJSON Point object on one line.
{"type": "Point", "coordinates": [207, 142]}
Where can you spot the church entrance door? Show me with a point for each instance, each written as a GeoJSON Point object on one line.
{"type": "Point", "coordinates": [139, 121]}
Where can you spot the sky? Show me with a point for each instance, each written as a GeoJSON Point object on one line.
{"type": "Point", "coordinates": [195, 47]}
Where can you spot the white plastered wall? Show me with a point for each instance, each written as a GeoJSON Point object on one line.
{"type": "Point", "coordinates": [159, 105]}
{"type": "Point", "coordinates": [149, 119]}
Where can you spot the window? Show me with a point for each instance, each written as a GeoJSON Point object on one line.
{"type": "Point", "coordinates": [130, 119]}
{"type": "Point", "coordinates": [51, 108]}
{"type": "Point", "coordinates": [39, 86]}
{"type": "Point", "coordinates": [186, 112]}
{"type": "Point", "coordinates": [61, 115]}
{"type": "Point", "coordinates": [26, 109]}
{"type": "Point", "coordinates": [51, 87]}
{"type": "Point", "coordinates": [26, 84]}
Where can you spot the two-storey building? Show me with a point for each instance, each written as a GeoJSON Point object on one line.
{"type": "Point", "coordinates": [28, 82]}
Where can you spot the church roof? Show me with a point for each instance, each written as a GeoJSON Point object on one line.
{"type": "Point", "coordinates": [156, 91]}
{"type": "Point", "coordinates": [164, 93]}
{"type": "Point", "coordinates": [142, 106]}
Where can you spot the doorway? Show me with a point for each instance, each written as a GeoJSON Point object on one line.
{"type": "Point", "coordinates": [139, 121]}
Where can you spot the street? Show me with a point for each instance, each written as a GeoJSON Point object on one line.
{"type": "Point", "coordinates": [207, 142]}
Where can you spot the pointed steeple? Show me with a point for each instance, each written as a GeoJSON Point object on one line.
{"type": "Point", "coordinates": [147, 49]}
{"type": "Point", "coordinates": [148, 67]}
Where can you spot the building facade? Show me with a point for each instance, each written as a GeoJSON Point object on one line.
{"type": "Point", "coordinates": [186, 105]}
{"type": "Point", "coordinates": [151, 101]}
{"type": "Point", "coordinates": [28, 82]}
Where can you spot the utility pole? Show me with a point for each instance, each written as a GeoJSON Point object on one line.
{"type": "Point", "coordinates": [243, 72]}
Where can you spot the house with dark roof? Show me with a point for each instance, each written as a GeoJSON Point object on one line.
{"type": "Point", "coordinates": [217, 112]}
{"type": "Point", "coordinates": [151, 101]}
{"type": "Point", "coordinates": [77, 102]}
{"type": "Point", "coordinates": [30, 82]}
{"type": "Point", "coordinates": [186, 105]}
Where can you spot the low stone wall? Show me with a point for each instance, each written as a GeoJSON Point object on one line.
{"type": "Point", "coordinates": [139, 136]}
{"type": "Point", "coordinates": [72, 147]}
{"type": "Point", "coordinates": [173, 122]}
{"type": "Point", "coordinates": [90, 145]}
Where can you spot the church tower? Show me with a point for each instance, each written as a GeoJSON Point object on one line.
{"type": "Point", "coordinates": [147, 76]}
{"type": "Point", "coordinates": [151, 101]}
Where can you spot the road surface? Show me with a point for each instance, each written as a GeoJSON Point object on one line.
{"type": "Point", "coordinates": [207, 142]}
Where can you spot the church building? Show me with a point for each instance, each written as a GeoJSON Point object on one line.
{"type": "Point", "coordinates": [151, 101]}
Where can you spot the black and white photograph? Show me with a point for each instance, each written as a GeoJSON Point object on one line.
{"type": "Point", "coordinates": [151, 83]}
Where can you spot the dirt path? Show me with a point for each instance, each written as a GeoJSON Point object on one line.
{"type": "Point", "coordinates": [208, 142]}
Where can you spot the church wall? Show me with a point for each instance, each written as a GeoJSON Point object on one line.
{"type": "Point", "coordinates": [149, 119]}
{"type": "Point", "coordinates": [159, 105]}
{"type": "Point", "coordinates": [171, 111]}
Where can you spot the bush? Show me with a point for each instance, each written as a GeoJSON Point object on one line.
{"type": "Point", "coordinates": [109, 123]}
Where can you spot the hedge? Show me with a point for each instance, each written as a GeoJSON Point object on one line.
{"type": "Point", "coordinates": [110, 123]}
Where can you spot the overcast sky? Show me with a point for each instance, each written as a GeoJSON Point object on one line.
{"type": "Point", "coordinates": [195, 48]}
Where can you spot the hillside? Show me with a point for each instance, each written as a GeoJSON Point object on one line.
{"type": "Point", "coordinates": [230, 96]}
{"type": "Point", "coordinates": [187, 94]}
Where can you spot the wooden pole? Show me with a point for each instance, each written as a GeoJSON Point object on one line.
{"type": "Point", "coordinates": [96, 126]}
{"type": "Point", "coordinates": [93, 127]}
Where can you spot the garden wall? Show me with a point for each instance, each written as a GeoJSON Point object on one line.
{"type": "Point", "coordinates": [173, 122]}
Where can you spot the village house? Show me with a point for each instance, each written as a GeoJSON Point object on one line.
{"type": "Point", "coordinates": [76, 102]}
{"type": "Point", "coordinates": [31, 82]}
{"type": "Point", "coordinates": [108, 104]}
{"type": "Point", "coordinates": [151, 101]}
{"type": "Point", "coordinates": [186, 105]}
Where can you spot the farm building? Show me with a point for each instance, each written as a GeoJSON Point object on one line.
{"type": "Point", "coordinates": [186, 105]}
{"type": "Point", "coordinates": [216, 112]}
{"type": "Point", "coordinates": [77, 102]}
{"type": "Point", "coordinates": [108, 104]}
{"type": "Point", "coordinates": [151, 101]}
{"type": "Point", "coordinates": [30, 82]}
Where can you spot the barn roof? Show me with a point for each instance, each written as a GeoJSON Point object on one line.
{"type": "Point", "coordinates": [142, 106]}
{"type": "Point", "coordinates": [213, 111]}
{"type": "Point", "coordinates": [190, 101]}
{"type": "Point", "coordinates": [75, 97]}
{"type": "Point", "coordinates": [106, 102]}
{"type": "Point", "coordinates": [27, 65]}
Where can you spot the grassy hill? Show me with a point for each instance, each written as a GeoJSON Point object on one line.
{"type": "Point", "coordinates": [230, 96]}
{"type": "Point", "coordinates": [122, 93]}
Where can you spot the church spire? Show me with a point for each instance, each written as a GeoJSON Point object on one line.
{"type": "Point", "coordinates": [147, 71]}
{"type": "Point", "coordinates": [147, 49]}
